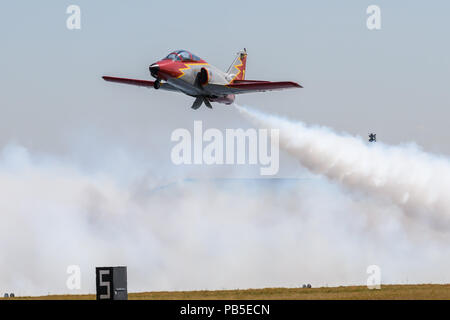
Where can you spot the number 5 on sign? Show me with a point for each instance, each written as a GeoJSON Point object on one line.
{"type": "Point", "coordinates": [104, 280]}
{"type": "Point", "coordinates": [105, 284]}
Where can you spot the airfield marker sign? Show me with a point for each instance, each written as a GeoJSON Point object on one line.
{"type": "Point", "coordinates": [111, 283]}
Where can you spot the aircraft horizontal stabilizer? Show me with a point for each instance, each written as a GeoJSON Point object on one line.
{"type": "Point", "coordinates": [198, 102]}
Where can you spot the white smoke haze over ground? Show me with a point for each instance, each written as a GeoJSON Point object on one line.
{"type": "Point", "coordinates": [213, 234]}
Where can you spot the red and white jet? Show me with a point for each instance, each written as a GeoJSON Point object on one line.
{"type": "Point", "coordinates": [184, 72]}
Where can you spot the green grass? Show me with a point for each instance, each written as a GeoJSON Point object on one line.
{"type": "Point", "coordinates": [387, 292]}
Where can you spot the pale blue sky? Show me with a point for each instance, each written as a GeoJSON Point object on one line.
{"type": "Point", "coordinates": [393, 81]}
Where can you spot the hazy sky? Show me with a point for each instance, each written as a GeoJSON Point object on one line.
{"type": "Point", "coordinates": [393, 81]}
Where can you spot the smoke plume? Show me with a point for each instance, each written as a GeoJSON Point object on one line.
{"type": "Point", "coordinates": [415, 181]}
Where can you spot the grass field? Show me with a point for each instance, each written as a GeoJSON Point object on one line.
{"type": "Point", "coordinates": [389, 292]}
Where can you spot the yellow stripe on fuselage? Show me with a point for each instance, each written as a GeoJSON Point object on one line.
{"type": "Point", "coordinates": [188, 66]}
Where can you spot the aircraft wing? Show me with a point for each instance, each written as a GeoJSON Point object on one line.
{"type": "Point", "coordinates": [140, 83]}
{"type": "Point", "coordinates": [248, 86]}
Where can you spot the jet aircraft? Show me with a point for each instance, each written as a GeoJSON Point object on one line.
{"type": "Point", "coordinates": [183, 71]}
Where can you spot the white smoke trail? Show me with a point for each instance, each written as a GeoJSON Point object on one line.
{"type": "Point", "coordinates": [416, 181]}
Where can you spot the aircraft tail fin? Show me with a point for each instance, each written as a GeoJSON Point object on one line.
{"type": "Point", "coordinates": [237, 69]}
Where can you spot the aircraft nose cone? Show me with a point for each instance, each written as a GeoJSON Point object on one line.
{"type": "Point", "coordinates": [154, 69]}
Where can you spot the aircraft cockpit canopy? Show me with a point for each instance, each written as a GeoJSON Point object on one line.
{"type": "Point", "coordinates": [182, 55]}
